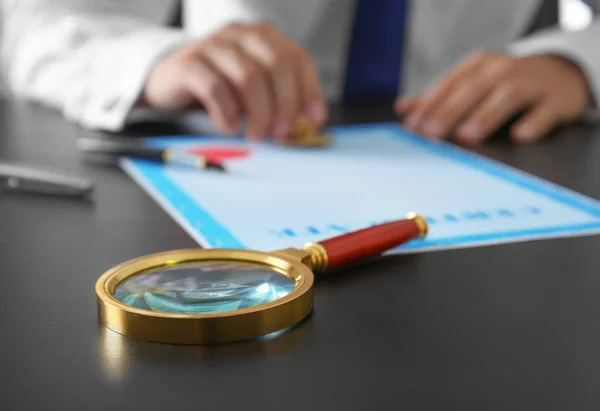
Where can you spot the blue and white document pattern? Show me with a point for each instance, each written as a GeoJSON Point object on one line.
{"type": "Point", "coordinates": [278, 197]}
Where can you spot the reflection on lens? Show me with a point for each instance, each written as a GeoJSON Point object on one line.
{"type": "Point", "coordinates": [204, 288]}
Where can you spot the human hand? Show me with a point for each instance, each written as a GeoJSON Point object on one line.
{"type": "Point", "coordinates": [250, 71]}
{"type": "Point", "coordinates": [480, 95]}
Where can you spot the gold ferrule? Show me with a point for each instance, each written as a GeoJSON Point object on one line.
{"type": "Point", "coordinates": [167, 155]}
{"type": "Point", "coordinates": [421, 223]}
{"type": "Point", "coordinates": [318, 256]}
{"type": "Point", "coordinates": [201, 162]}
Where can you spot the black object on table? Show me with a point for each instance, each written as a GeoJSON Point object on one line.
{"type": "Point", "coordinates": [494, 328]}
{"type": "Point", "coordinates": [121, 147]}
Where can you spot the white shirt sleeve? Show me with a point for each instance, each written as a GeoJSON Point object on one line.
{"type": "Point", "coordinates": [87, 58]}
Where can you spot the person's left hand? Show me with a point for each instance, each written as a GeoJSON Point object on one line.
{"type": "Point", "coordinates": [480, 95]}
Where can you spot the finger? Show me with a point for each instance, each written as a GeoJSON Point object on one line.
{"type": "Point", "coordinates": [468, 92]}
{"type": "Point", "coordinates": [287, 93]}
{"type": "Point", "coordinates": [437, 93]}
{"type": "Point", "coordinates": [310, 99]}
{"type": "Point", "coordinates": [249, 81]}
{"type": "Point", "coordinates": [458, 103]}
{"type": "Point", "coordinates": [537, 123]}
{"type": "Point", "coordinates": [404, 105]}
{"type": "Point", "coordinates": [215, 94]}
{"type": "Point", "coordinates": [275, 56]}
{"type": "Point", "coordinates": [312, 96]}
{"type": "Point", "coordinates": [504, 101]}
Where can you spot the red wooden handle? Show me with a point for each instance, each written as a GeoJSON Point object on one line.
{"type": "Point", "coordinates": [368, 242]}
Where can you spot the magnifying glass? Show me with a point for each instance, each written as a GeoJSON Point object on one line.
{"type": "Point", "coordinates": [212, 296]}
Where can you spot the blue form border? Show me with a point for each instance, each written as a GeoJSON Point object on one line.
{"type": "Point", "coordinates": [217, 235]}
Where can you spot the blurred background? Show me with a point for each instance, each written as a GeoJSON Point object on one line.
{"type": "Point", "coordinates": [575, 15]}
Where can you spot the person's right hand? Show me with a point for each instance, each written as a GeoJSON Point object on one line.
{"type": "Point", "coordinates": [241, 71]}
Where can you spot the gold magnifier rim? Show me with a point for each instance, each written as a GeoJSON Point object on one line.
{"type": "Point", "coordinates": [214, 328]}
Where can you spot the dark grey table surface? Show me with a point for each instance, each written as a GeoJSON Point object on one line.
{"type": "Point", "coordinates": [511, 327]}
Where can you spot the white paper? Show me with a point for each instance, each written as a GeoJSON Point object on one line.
{"type": "Point", "coordinates": [279, 197]}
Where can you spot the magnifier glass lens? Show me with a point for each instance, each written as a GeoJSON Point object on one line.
{"type": "Point", "coordinates": [204, 287]}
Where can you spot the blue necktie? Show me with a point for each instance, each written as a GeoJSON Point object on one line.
{"type": "Point", "coordinates": [375, 55]}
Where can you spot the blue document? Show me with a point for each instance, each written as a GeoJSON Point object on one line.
{"type": "Point", "coordinates": [275, 197]}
